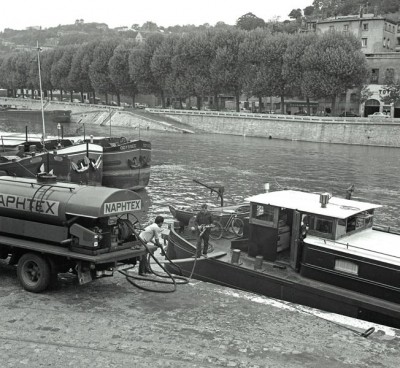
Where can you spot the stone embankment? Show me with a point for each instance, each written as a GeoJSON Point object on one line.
{"type": "Point", "coordinates": [355, 131]}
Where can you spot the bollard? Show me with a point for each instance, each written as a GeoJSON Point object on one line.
{"type": "Point", "coordinates": [235, 256]}
{"type": "Point", "coordinates": [258, 263]}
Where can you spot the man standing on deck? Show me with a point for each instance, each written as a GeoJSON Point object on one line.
{"type": "Point", "coordinates": [203, 219]}
{"type": "Point", "coordinates": [151, 233]}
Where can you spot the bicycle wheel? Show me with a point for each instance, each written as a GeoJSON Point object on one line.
{"type": "Point", "coordinates": [237, 226]}
{"type": "Point", "coordinates": [216, 230]}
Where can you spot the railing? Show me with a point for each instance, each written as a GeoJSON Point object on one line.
{"type": "Point", "coordinates": [283, 117]}
{"type": "Point", "coordinates": [24, 102]}
{"type": "Point", "coordinates": [349, 246]}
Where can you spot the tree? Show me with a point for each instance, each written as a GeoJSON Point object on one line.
{"type": "Point", "coordinates": [119, 70]}
{"type": "Point", "coordinates": [149, 27]}
{"type": "Point", "coordinates": [254, 53]}
{"type": "Point", "coordinates": [61, 69]}
{"type": "Point", "coordinates": [308, 10]}
{"type": "Point", "coordinates": [21, 69]}
{"type": "Point", "coordinates": [227, 68]}
{"type": "Point", "coordinates": [79, 73]}
{"type": "Point", "coordinates": [293, 69]}
{"type": "Point", "coordinates": [46, 61]}
{"type": "Point", "coordinates": [249, 22]}
{"type": "Point", "coordinates": [391, 93]}
{"type": "Point", "coordinates": [7, 74]}
{"type": "Point", "coordinates": [139, 66]}
{"type": "Point", "coordinates": [365, 94]}
{"type": "Point", "coordinates": [332, 65]}
{"type": "Point", "coordinates": [98, 70]}
{"type": "Point", "coordinates": [56, 72]}
{"type": "Point", "coordinates": [295, 14]}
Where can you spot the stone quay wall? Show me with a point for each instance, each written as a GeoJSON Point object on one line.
{"type": "Point", "coordinates": [356, 131]}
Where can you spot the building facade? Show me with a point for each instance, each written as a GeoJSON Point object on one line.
{"type": "Point", "coordinates": [377, 34]}
{"type": "Point", "coordinates": [380, 42]}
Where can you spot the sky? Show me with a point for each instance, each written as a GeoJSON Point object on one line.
{"type": "Point", "coordinates": [20, 14]}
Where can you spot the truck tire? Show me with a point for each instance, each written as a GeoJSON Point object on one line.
{"type": "Point", "coordinates": [33, 272]}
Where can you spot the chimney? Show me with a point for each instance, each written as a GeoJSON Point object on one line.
{"type": "Point", "coordinates": [324, 199]}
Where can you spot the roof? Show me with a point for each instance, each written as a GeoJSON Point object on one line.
{"type": "Point", "coordinates": [352, 18]}
{"type": "Point", "coordinates": [310, 202]}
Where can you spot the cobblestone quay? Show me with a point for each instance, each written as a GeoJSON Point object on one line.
{"type": "Point", "coordinates": [110, 323]}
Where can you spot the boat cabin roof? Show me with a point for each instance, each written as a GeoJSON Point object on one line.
{"type": "Point", "coordinates": [310, 203]}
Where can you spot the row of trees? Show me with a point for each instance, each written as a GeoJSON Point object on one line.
{"type": "Point", "coordinates": [218, 62]}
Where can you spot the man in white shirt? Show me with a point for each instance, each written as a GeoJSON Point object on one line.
{"type": "Point", "coordinates": [151, 234]}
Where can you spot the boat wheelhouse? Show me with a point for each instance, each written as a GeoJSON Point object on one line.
{"type": "Point", "coordinates": [341, 246]}
{"type": "Point", "coordinates": [310, 249]}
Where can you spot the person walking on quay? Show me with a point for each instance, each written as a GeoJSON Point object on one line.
{"type": "Point", "coordinates": [203, 222]}
{"type": "Point", "coordinates": [151, 234]}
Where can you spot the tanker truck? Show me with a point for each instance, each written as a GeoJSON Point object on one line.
{"type": "Point", "coordinates": [49, 227]}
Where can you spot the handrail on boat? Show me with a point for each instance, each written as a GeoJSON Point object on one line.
{"type": "Point", "coordinates": [347, 245]}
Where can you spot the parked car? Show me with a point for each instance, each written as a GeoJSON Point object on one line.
{"type": "Point", "coordinates": [76, 100]}
{"type": "Point", "coordinates": [349, 114]}
{"type": "Point", "coordinates": [300, 113]}
{"type": "Point", "coordinates": [379, 115]}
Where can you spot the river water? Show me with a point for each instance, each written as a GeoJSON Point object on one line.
{"type": "Point", "coordinates": [243, 165]}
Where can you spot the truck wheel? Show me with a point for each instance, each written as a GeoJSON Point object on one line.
{"type": "Point", "coordinates": [33, 272]}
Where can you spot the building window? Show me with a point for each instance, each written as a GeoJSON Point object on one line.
{"type": "Point", "coordinates": [354, 98]}
{"type": "Point", "coordinates": [365, 26]}
{"type": "Point", "coordinates": [384, 42]}
{"type": "Point", "coordinates": [346, 28]}
{"type": "Point", "coordinates": [388, 43]}
{"type": "Point", "coordinates": [375, 76]}
{"type": "Point", "coordinates": [364, 42]}
{"type": "Point", "coordinates": [331, 28]}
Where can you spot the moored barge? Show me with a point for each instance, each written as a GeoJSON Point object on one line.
{"type": "Point", "coordinates": [306, 248]}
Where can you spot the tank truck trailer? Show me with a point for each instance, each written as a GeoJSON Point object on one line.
{"type": "Point", "coordinates": [49, 227]}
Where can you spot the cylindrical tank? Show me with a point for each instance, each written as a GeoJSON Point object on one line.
{"type": "Point", "coordinates": [55, 202]}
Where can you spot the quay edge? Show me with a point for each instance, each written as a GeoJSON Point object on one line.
{"type": "Point", "coordinates": [352, 131]}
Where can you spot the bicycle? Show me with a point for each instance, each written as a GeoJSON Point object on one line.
{"type": "Point", "coordinates": [233, 227]}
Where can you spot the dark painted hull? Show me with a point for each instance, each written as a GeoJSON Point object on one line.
{"type": "Point", "coordinates": [288, 286]}
{"type": "Point", "coordinates": [29, 167]}
{"type": "Point", "coordinates": [126, 164]}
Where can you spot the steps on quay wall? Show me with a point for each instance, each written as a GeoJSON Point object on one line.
{"type": "Point", "coordinates": [124, 118]}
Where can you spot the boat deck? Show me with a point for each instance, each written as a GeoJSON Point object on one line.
{"type": "Point", "coordinates": [280, 268]}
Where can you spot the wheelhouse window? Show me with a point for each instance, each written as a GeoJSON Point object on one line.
{"type": "Point", "coordinates": [264, 215]}
{"type": "Point", "coordinates": [360, 221]}
{"type": "Point", "coordinates": [321, 226]}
